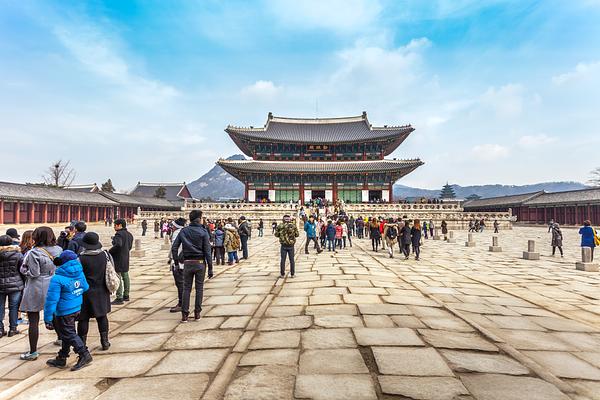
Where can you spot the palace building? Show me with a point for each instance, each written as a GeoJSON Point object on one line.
{"type": "Point", "coordinates": [329, 158]}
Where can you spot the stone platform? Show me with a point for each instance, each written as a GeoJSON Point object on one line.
{"type": "Point", "coordinates": [463, 323]}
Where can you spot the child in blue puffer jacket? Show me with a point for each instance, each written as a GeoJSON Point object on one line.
{"type": "Point", "coordinates": [62, 307]}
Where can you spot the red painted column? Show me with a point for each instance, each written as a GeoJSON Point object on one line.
{"type": "Point", "coordinates": [58, 207]}
{"type": "Point", "coordinates": [32, 213]}
{"type": "Point", "coordinates": [96, 214]}
{"type": "Point", "coordinates": [87, 213]}
{"type": "Point", "coordinates": [17, 212]}
{"type": "Point", "coordinates": [69, 213]}
{"type": "Point", "coordinates": [391, 193]}
{"type": "Point", "coordinates": [78, 212]}
{"type": "Point", "coordinates": [45, 213]}
{"type": "Point", "coordinates": [1, 212]}
{"type": "Point", "coordinates": [246, 191]}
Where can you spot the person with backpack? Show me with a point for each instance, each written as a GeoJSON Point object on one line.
{"type": "Point", "coordinates": [37, 268]}
{"type": "Point", "coordinates": [194, 240]}
{"type": "Point", "coordinates": [62, 309]}
{"type": "Point", "coordinates": [405, 239]}
{"type": "Point", "coordinates": [310, 227]}
{"type": "Point", "coordinates": [287, 232]}
{"type": "Point", "coordinates": [244, 232]}
{"type": "Point", "coordinates": [96, 300]}
{"type": "Point", "coordinates": [121, 246]}
{"type": "Point", "coordinates": [231, 243]}
{"type": "Point", "coordinates": [390, 233]}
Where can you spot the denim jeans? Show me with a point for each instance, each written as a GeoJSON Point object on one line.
{"type": "Point", "coordinates": [65, 329]}
{"type": "Point", "coordinates": [14, 299]}
{"type": "Point", "coordinates": [123, 290]}
{"type": "Point", "coordinates": [312, 239]}
{"type": "Point", "coordinates": [287, 252]}
{"type": "Point", "coordinates": [232, 255]}
{"type": "Point", "coordinates": [193, 272]}
{"type": "Point", "coordinates": [244, 242]}
{"type": "Point", "coordinates": [178, 278]}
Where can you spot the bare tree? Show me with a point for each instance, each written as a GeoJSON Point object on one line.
{"type": "Point", "coordinates": [594, 177]}
{"type": "Point", "coordinates": [59, 174]}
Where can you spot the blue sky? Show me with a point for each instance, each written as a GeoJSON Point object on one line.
{"type": "Point", "coordinates": [498, 91]}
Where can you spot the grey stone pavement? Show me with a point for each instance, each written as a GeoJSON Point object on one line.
{"type": "Point", "coordinates": [462, 323]}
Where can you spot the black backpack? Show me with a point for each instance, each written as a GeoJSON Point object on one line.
{"type": "Point", "coordinates": [392, 232]}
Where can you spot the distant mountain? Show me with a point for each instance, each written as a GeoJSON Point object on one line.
{"type": "Point", "coordinates": [217, 184]}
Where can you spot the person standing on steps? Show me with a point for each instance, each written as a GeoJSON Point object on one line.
{"type": "Point", "coordinates": [244, 231]}
{"type": "Point", "coordinates": [310, 227]}
{"type": "Point", "coordinates": [96, 301]}
{"type": "Point", "coordinates": [144, 227]}
{"type": "Point", "coordinates": [177, 270]}
{"type": "Point", "coordinates": [194, 240]}
{"type": "Point", "coordinates": [121, 246]}
{"type": "Point", "coordinates": [62, 309]}
{"type": "Point", "coordinates": [287, 232]}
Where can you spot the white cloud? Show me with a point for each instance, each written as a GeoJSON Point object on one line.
{"type": "Point", "coordinates": [581, 71]}
{"type": "Point", "coordinates": [489, 152]}
{"type": "Point", "coordinates": [338, 15]}
{"type": "Point", "coordinates": [536, 140]}
{"type": "Point", "coordinates": [506, 101]}
{"type": "Point", "coordinates": [97, 54]}
{"type": "Point", "coordinates": [264, 90]}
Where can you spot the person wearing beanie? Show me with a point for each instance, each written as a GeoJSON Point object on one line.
{"type": "Point", "coordinates": [195, 254]}
{"type": "Point", "coordinates": [14, 235]}
{"type": "Point", "coordinates": [177, 270]}
{"type": "Point", "coordinates": [121, 246]}
{"type": "Point", "coordinates": [62, 309]}
{"type": "Point", "coordinates": [96, 301]}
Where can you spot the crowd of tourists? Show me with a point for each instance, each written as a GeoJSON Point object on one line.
{"type": "Point", "coordinates": [70, 279]}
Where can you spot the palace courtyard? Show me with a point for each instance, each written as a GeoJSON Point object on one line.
{"type": "Point", "coordinates": [462, 323]}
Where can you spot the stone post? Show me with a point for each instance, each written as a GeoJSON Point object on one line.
{"type": "Point", "coordinates": [166, 244]}
{"type": "Point", "coordinates": [495, 248]}
{"type": "Point", "coordinates": [586, 263]}
{"type": "Point", "coordinates": [451, 237]}
{"type": "Point", "coordinates": [137, 249]}
{"type": "Point", "coordinates": [470, 241]}
{"type": "Point", "coordinates": [531, 254]}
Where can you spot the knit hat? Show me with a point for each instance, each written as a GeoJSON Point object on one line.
{"type": "Point", "coordinates": [91, 241]}
{"type": "Point", "coordinates": [64, 257]}
{"type": "Point", "coordinates": [5, 240]}
{"type": "Point", "coordinates": [12, 232]}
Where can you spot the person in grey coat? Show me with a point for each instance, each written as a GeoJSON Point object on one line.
{"type": "Point", "coordinates": [557, 238]}
{"type": "Point", "coordinates": [38, 268]}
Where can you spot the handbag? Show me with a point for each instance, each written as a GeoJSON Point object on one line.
{"type": "Point", "coordinates": [112, 279]}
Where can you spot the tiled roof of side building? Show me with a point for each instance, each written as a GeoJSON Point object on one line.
{"type": "Point", "coordinates": [172, 190]}
{"type": "Point", "coordinates": [29, 192]}
{"type": "Point", "coordinates": [320, 130]}
{"type": "Point", "coordinates": [139, 201]}
{"type": "Point", "coordinates": [511, 200]}
{"type": "Point", "coordinates": [315, 167]}
{"type": "Point", "coordinates": [90, 188]}
{"type": "Point", "coordinates": [581, 197]}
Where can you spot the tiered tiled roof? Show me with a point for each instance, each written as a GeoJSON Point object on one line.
{"type": "Point", "coordinates": [173, 191]}
{"type": "Point", "coordinates": [319, 131]}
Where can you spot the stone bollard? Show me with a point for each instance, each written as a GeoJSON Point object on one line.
{"type": "Point", "coordinates": [586, 263]}
{"type": "Point", "coordinates": [495, 248]}
{"type": "Point", "coordinates": [470, 241]}
{"type": "Point", "coordinates": [166, 244]}
{"type": "Point", "coordinates": [137, 249]}
{"type": "Point", "coordinates": [451, 237]}
{"type": "Point", "coordinates": [531, 254]}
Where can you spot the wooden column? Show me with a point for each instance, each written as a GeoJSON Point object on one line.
{"type": "Point", "coordinates": [96, 214]}
{"type": "Point", "coordinates": [17, 211]}
{"type": "Point", "coordinates": [391, 197]}
{"type": "Point", "coordinates": [69, 212]}
{"type": "Point", "coordinates": [58, 207]}
{"type": "Point", "coordinates": [78, 212]}
{"type": "Point", "coordinates": [87, 213]}
{"type": "Point", "coordinates": [45, 213]}
{"type": "Point", "coordinates": [32, 213]}
{"type": "Point", "coordinates": [1, 212]}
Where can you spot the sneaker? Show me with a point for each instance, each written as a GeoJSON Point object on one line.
{"type": "Point", "coordinates": [83, 361]}
{"type": "Point", "coordinates": [13, 332]}
{"type": "Point", "coordinates": [176, 308]}
{"type": "Point", "coordinates": [184, 317]}
{"type": "Point", "coordinates": [197, 315]}
{"type": "Point", "coordinates": [28, 356]}
{"type": "Point", "coordinates": [57, 362]}
{"type": "Point", "coordinates": [118, 302]}
{"type": "Point", "coordinates": [125, 298]}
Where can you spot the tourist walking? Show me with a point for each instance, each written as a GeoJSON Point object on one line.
{"type": "Point", "coordinates": [121, 246]}
{"type": "Point", "coordinates": [374, 234]}
{"type": "Point", "coordinates": [431, 227]}
{"type": "Point", "coordinates": [11, 283]}
{"type": "Point", "coordinates": [444, 226]}
{"type": "Point", "coordinates": [177, 268]}
{"type": "Point", "coordinates": [557, 238]}
{"type": "Point", "coordinates": [415, 233]}
{"type": "Point", "coordinates": [261, 227]}
{"type": "Point", "coordinates": [144, 227]}
{"type": "Point", "coordinates": [287, 232]}
{"type": "Point", "coordinates": [244, 231]}
{"type": "Point", "coordinates": [37, 269]}
{"type": "Point", "coordinates": [310, 227]}
{"type": "Point", "coordinates": [330, 235]}
{"type": "Point", "coordinates": [390, 233]}
{"type": "Point", "coordinates": [62, 309]}
{"type": "Point", "coordinates": [231, 243]}
{"type": "Point", "coordinates": [588, 236]}
{"type": "Point", "coordinates": [425, 230]}
{"type": "Point", "coordinates": [481, 225]}
{"type": "Point", "coordinates": [156, 228]}
{"type": "Point", "coordinates": [75, 242]}
{"type": "Point", "coordinates": [496, 226]}
{"type": "Point", "coordinates": [196, 254]}
{"type": "Point", "coordinates": [406, 239]}
{"type": "Point", "coordinates": [273, 227]}
{"type": "Point", "coordinates": [96, 300]}
{"type": "Point", "coordinates": [339, 232]}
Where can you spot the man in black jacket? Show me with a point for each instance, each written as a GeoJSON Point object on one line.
{"type": "Point", "coordinates": [121, 245]}
{"type": "Point", "coordinates": [77, 240]}
{"type": "Point", "coordinates": [196, 254]}
{"type": "Point", "coordinates": [244, 231]}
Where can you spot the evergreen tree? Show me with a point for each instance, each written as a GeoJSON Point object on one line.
{"type": "Point", "coordinates": [161, 192]}
{"type": "Point", "coordinates": [107, 186]}
{"type": "Point", "coordinates": [447, 192]}
{"type": "Point", "coordinates": [473, 197]}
